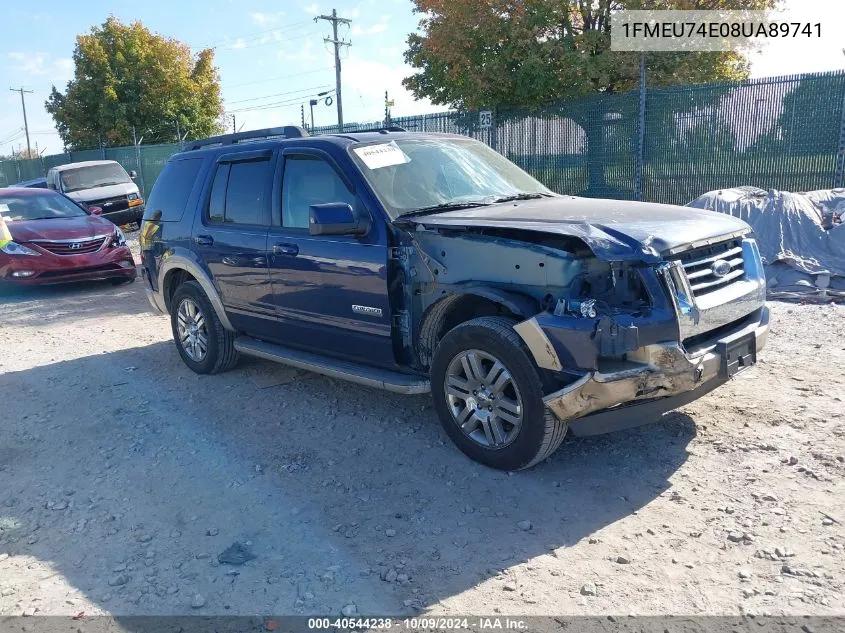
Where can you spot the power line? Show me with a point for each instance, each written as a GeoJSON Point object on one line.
{"type": "Point", "coordinates": [11, 136]}
{"type": "Point", "coordinates": [280, 94]}
{"type": "Point", "coordinates": [261, 81]}
{"type": "Point", "coordinates": [287, 27]}
{"type": "Point", "coordinates": [337, 46]}
{"type": "Point", "coordinates": [276, 104]}
{"type": "Point", "coordinates": [282, 41]}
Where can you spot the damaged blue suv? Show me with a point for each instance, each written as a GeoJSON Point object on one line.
{"type": "Point", "coordinates": [428, 262]}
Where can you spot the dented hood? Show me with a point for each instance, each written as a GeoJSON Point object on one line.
{"type": "Point", "coordinates": [613, 229]}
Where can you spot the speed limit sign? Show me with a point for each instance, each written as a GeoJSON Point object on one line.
{"type": "Point", "coordinates": [485, 119]}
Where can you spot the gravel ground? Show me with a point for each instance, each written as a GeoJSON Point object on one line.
{"type": "Point", "coordinates": [125, 479]}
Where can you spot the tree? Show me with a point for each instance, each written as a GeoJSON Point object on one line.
{"type": "Point", "coordinates": [127, 76]}
{"type": "Point", "coordinates": [510, 54]}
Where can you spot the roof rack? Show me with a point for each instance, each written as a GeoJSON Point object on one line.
{"type": "Point", "coordinates": [383, 130]}
{"type": "Point", "coordinates": [287, 131]}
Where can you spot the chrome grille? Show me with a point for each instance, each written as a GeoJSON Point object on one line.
{"type": "Point", "coordinates": [703, 272]}
{"type": "Point", "coordinates": [72, 247]}
{"type": "Point", "coordinates": [109, 205]}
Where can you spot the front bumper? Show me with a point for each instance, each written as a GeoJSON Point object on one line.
{"type": "Point", "coordinates": [125, 216]}
{"type": "Point", "coordinates": [660, 378]}
{"type": "Point", "coordinates": [106, 263]}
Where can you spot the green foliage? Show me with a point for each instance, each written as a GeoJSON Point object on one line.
{"type": "Point", "coordinates": [506, 53]}
{"type": "Point", "coordinates": [126, 75]}
{"type": "Point", "coordinates": [511, 54]}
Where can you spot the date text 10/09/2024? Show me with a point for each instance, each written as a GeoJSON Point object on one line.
{"type": "Point", "coordinates": [416, 624]}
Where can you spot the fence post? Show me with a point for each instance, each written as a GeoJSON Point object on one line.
{"type": "Point", "coordinates": [137, 143]}
{"type": "Point", "coordinates": [17, 166]}
{"type": "Point", "coordinates": [638, 178]}
{"type": "Point", "coordinates": [494, 129]}
{"type": "Point", "coordinates": [839, 173]}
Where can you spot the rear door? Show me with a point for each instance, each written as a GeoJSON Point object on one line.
{"type": "Point", "coordinates": [232, 237]}
{"type": "Point", "coordinates": [329, 290]}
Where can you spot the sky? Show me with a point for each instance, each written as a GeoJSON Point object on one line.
{"type": "Point", "coordinates": [272, 58]}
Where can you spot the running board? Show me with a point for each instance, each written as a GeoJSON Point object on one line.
{"type": "Point", "coordinates": [378, 378]}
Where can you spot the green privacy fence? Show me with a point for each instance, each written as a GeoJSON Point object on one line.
{"type": "Point", "coordinates": [659, 144]}
{"type": "Point", "coordinates": [147, 161]}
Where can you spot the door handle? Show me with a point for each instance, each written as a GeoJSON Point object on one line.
{"type": "Point", "coordinates": [204, 240]}
{"type": "Point", "coordinates": [291, 250]}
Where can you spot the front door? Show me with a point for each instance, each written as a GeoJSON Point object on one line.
{"type": "Point", "coordinates": [232, 239]}
{"type": "Point", "coordinates": [330, 291]}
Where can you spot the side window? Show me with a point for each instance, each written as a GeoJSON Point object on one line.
{"type": "Point", "coordinates": [309, 180]}
{"type": "Point", "coordinates": [217, 202]}
{"type": "Point", "coordinates": [241, 193]}
{"type": "Point", "coordinates": [173, 188]}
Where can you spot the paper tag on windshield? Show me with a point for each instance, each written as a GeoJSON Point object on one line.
{"type": "Point", "coordinates": [382, 155]}
{"type": "Point", "coordinates": [4, 212]}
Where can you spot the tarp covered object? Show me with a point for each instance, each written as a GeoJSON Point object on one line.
{"type": "Point", "coordinates": [803, 258]}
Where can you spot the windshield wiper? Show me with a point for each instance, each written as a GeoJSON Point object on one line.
{"type": "Point", "coordinates": [520, 196]}
{"type": "Point", "coordinates": [106, 184]}
{"type": "Point", "coordinates": [445, 206]}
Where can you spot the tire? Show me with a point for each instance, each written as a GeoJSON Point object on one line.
{"type": "Point", "coordinates": [219, 350]}
{"type": "Point", "coordinates": [480, 342]}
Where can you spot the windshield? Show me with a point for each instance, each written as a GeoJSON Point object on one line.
{"type": "Point", "coordinates": [44, 206]}
{"type": "Point", "coordinates": [415, 174]}
{"type": "Point", "coordinates": [93, 176]}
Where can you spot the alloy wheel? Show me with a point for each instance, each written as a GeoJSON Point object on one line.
{"type": "Point", "coordinates": [193, 335]}
{"type": "Point", "coordinates": [483, 398]}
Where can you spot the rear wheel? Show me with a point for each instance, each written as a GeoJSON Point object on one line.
{"type": "Point", "coordinates": [489, 396]}
{"type": "Point", "coordinates": [203, 343]}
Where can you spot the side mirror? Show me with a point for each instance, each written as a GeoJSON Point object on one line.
{"type": "Point", "coordinates": [95, 210]}
{"type": "Point", "coordinates": [337, 218]}
{"type": "Point", "coordinates": [133, 175]}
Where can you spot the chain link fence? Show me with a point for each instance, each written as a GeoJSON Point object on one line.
{"type": "Point", "coordinates": [783, 133]}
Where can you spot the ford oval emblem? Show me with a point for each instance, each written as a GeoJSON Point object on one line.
{"type": "Point", "coordinates": [720, 268]}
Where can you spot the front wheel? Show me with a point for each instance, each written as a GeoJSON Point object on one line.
{"type": "Point", "coordinates": [203, 343]}
{"type": "Point", "coordinates": [489, 396]}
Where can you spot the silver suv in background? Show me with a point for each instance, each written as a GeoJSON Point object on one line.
{"type": "Point", "coordinates": [103, 186]}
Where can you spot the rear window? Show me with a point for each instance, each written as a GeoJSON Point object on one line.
{"type": "Point", "coordinates": [240, 193]}
{"type": "Point", "coordinates": [172, 189]}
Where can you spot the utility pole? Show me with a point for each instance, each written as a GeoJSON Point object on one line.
{"type": "Point", "coordinates": [302, 114]}
{"type": "Point", "coordinates": [23, 105]}
{"type": "Point", "coordinates": [337, 44]}
{"type": "Point", "coordinates": [234, 124]}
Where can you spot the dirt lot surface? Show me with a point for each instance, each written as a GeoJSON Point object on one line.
{"type": "Point", "coordinates": [124, 476]}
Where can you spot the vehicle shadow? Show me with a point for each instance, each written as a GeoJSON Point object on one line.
{"type": "Point", "coordinates": [129, 490]}
{"type": "Point", "coordinates": [69, 301]}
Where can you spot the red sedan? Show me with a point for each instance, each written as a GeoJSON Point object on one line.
{"type": "Point", "coordinates": [47, 238]}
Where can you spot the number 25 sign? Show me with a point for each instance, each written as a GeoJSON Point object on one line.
{"type": "Point", "coordinates": [485, 119]}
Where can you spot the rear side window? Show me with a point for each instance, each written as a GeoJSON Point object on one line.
{"type": "Point", "coordinates": [241, 193]}
{"type": "Point", "coordinates": [172, 189]}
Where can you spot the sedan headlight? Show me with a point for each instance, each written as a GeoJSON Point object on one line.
{"type": "Point", "coordinates": [119, 239]}
{"type": "Point", "coordinates": [13, 248]}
